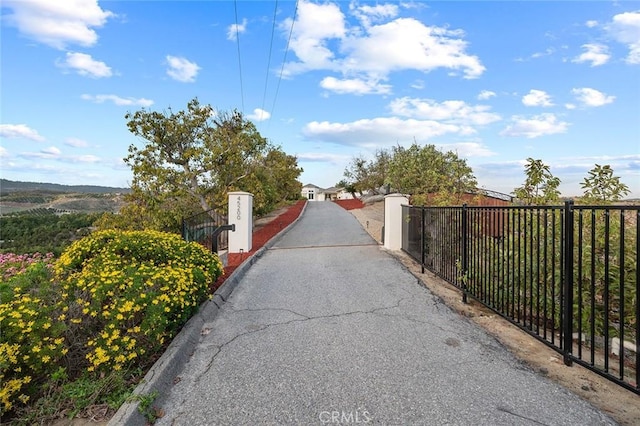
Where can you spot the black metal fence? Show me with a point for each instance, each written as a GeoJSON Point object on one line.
{"type": "Point", "coordinates": [206, 228]}
{"type": "Point", "coordinates": [568, 274]}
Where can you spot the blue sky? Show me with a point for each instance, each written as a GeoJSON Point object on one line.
{"type": "Point", "coordinates": [497, 82]}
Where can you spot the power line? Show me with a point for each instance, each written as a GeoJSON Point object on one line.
{"type": "Point", "coordinates": [235, 6]}
{"type": "Point", "coordinates": [266, 79]}
{"type": "Point", "coordinates": [284, 60]}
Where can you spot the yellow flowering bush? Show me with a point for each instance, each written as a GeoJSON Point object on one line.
{"type": "Point", "coordinates": [110, 303]}
{"type": "Point", "coordinates": [129, 292]}
{"type": "Point", "coordinates": [31, 343]}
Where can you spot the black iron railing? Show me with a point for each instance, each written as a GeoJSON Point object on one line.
{"type": "Point", "coordinates": [567, 274]}
{"type": "Point", "coordinates": [207, 229]}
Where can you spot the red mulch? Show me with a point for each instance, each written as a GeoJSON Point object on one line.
{"type": "Point", "coordinates": [350, 204]}
{"type": "Point", "coordinates": [260, 238]}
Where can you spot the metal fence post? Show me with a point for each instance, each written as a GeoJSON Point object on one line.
{"type": "Point", "coordinates": [422, 231]}
{"type": "Point", "coordinates": [465, 246]}
{"type": "Point", "coordinates": [567, 315]}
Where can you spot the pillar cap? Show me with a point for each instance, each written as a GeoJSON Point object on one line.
{"type": "Point", "coordinates": [240, 193]}
{"type": "Point", "coordinates": [396, 195]}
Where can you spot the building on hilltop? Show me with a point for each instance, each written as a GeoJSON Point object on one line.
{"type": "Point", "coordinates": [314, 193]}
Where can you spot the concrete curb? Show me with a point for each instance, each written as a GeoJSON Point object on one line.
{"type": "Point", "coordinates": [161, 376]}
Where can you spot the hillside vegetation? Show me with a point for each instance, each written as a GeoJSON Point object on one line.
{"type": "Point", "coordinates": [10, 186]}
{"type": "Point", "coordinates": [46, 218]}
{"type": "Point", "coordinates": [43, 230]}
{"type": "Point", "coordinates": [28, 197]}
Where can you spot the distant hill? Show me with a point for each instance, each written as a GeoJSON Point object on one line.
{"type": "Point", "coordinates": [36, 197]}
{"type": "Point", "coordinates": [9, 186]}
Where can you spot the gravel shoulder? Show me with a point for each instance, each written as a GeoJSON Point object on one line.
{"type": "Point", "coordinates": [619, 403]}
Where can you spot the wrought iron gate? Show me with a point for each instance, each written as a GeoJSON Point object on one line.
{"type": "Point", "coordinates": [207, 228]}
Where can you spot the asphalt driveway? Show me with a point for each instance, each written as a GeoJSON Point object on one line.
{"type": "Point", "coordinates": [328, 328]}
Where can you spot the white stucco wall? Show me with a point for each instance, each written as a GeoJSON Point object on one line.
{"type": "Point", "coordinates": [320, 195]}
{"type": "Point", "coordinates": [317, 193]}
{"type": "Point", "coordinates": [393, 220]}
{"type": "Point", "coordinates": [342, 195]}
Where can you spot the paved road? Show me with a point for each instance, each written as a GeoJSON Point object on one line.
{"type": "Point", "coordinates": [326, 328]}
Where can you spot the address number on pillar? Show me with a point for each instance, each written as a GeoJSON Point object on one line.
{"type": "Point", "coordinates": [239, 209]}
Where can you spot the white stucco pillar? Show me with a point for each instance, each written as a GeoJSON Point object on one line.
{"type": "Point", "coordinates": [241, 215]}
{"type": "Point", "coordinates": [393, 220]}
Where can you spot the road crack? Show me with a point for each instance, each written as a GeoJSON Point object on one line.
{"type": "Point", "coordinates": [303, 318]}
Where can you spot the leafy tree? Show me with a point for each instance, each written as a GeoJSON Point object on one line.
{"type": "Point", "coordinates": [191, 160]}
{"type": "Point", "coordinates": [380, 169]}
{"type": "Point", "coordinates": [368, 175]}
{"type": "Point", "coordinates": [277, 179]}
{"type": "Point", "coordinates": [141, 213]}
{"type": "Point", "coordinates": [357, 174]}
{"type": "Point", "coordinates": [601, 186]}
{"type": "Point", "coordinates": [540, 186]}
{"type": "Point", "coordinates": [347, 186]}
{"type": "Point", "coordinates": [429, 174]}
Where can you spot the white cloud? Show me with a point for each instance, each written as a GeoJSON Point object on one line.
{"type": "Point", "coordinates": [355, 86]}
{"type": "Point", "coordinates": [4, 153]}
{"type": "Point", "coordinates": [51, 153]}
{"type": "Point", "coordinates": [19, 131]}
{"type": "Point", "coordinates": [117, 100]}
{"type": "Point", "coordinates": [421, 119]}
{"type": "Point", "coordinates": [406, 43]}
{"type": "Point", "coordinates": [597, 54]}
{"type": "Point", "coordinates": [591, 24]}
{"type": "Point", "coordinates": [371, 14]}
{"type": "Point", "coordinates": [235, 29]}
{"type": "Point", "coordinates": [55, 154]}
{"type": "Point", "coordinates": [181, 69]}
{"type": "Point", "coordinates": [486, 94]}
{"type": "Point", "coordinates": [625, 28]}
{"type": "Point", "coordinates": [418, 84]}
{"type": "Point", "coordinates": [378, 132]}
{"type": "Point", "coordinates": [455, 112]}
{"type": "Point", "coordinates": [52, 150]}
{"type": "Point", "coordinates": [592, 97]}
{"type": "Point", "coordinates": [537, 98]}
{"type": "Point", "coordinates": [76, 143]}
{"type": "Point", "coordinates": [318, 157]}
{"type": "Point", "coordinates": [547, 52]}
{"type": "Point", "coordinates": [467, 149]}
{"type": "Point", "coordinates": [58, 23]}
{"type": "Point", "coordinates": [259, 115]}
{"type": "Point", "coordinates": [322, 41]}
{"type": "Point", "coordinates": [85, 159]}
{"type": "Point", "coordinates": [85, 65]}
{"type": "Point", "coordinates": [570, 106]}
{"type": "Point", "coordinates": [536, 126]}
{"type": "Point", "coordinates": [315, 25]}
